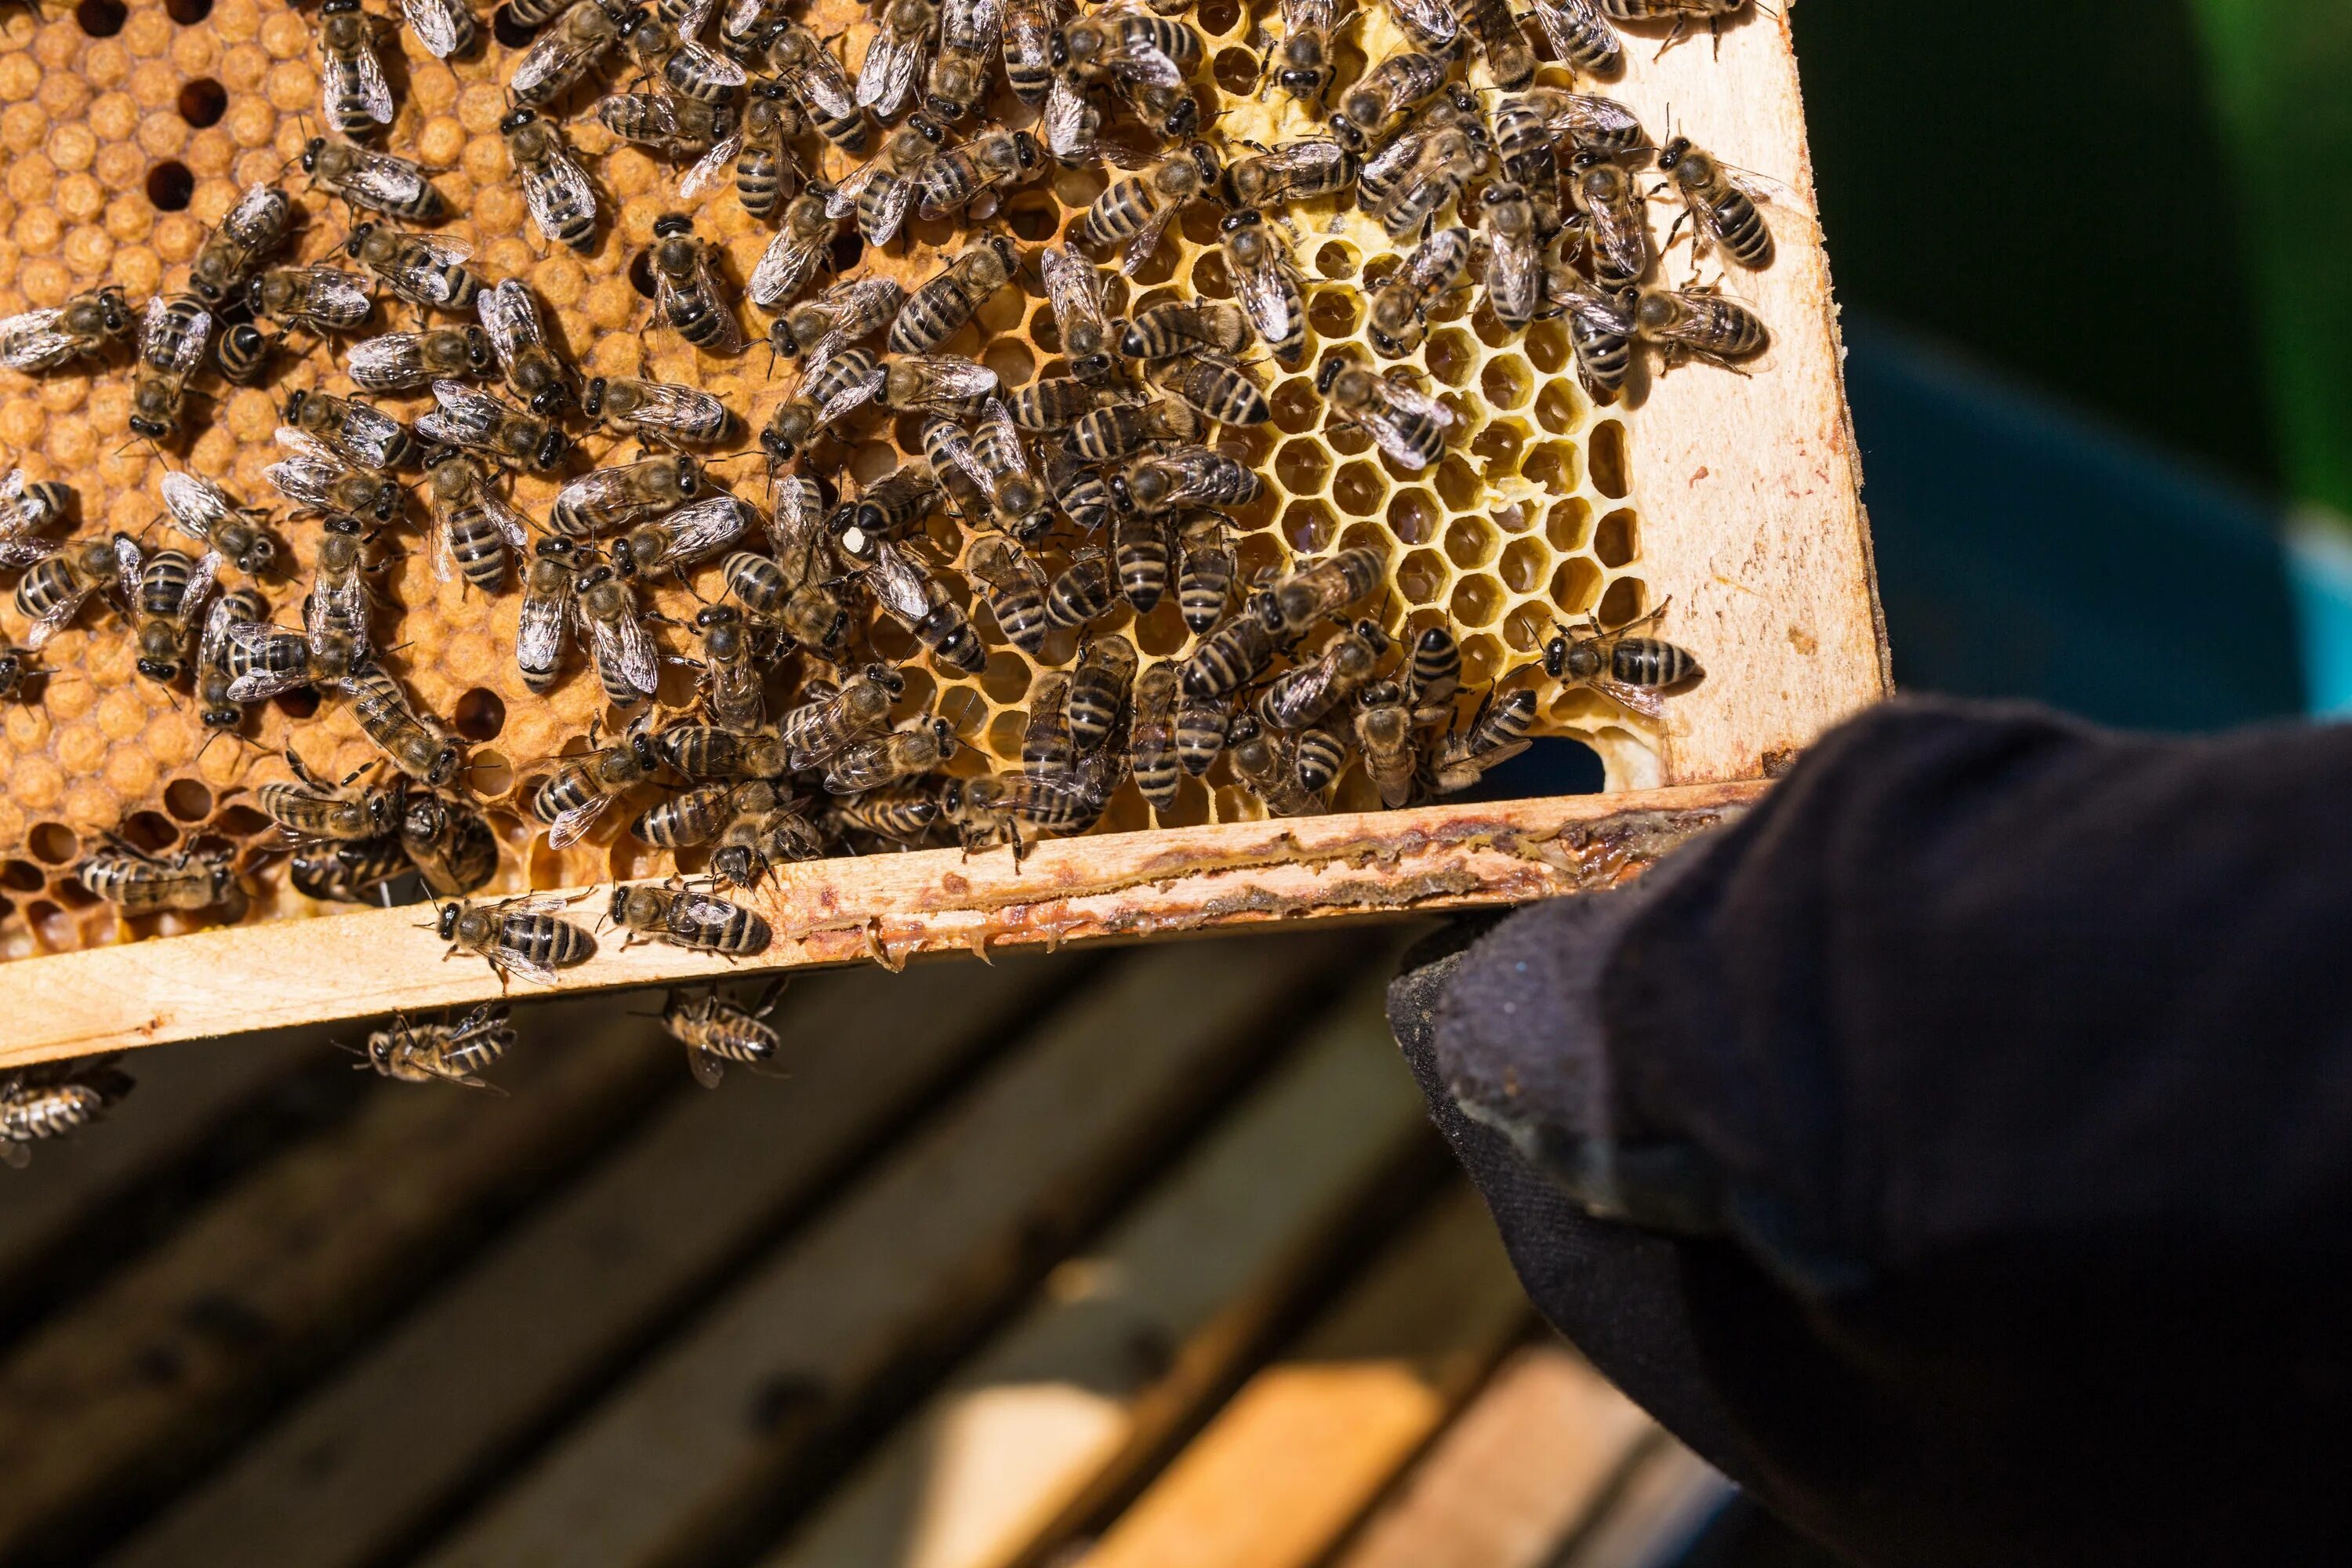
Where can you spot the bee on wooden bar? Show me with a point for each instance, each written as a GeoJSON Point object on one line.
{"type": "Point", "coordinates": [686, 287]}
{"type": "Point", "coordinates": [248, 231]}
{"type": "Point", "coordinates": [657, 410]}
{"type": "Point", "coordinates": [885, 760]}
{"type": "Point", "coordinates": [765, 828]}
{"type": "Point", "coordinates": [53, 1099]}
{"type": "Point", "coordinates": [1632, 671]}
{"type": "Point", "coordinates": [1266, 284]}
{"type": "Point", "coordinates": [171, 596]}
{"type": "Point", "coordinates": [475, 529]}
{"type": "Point", "coordinates": [315, 478]}
{"type": "Point", "coordinates": [59, 584]}
{"type": "Point", "coordinates": [1408, 424]}
{"type": "Point", "coordinates": [677, 540]}
{"type": "Point", "coordinates": [1683, 13]}
{"type": "Point", "coordinates": [716, 1031]}
{"type": "Point", "coordinates": [451, 844]}
{"type": "Point", "coordinates": [1589, 122]}
{"type": "Point", "coordinates": [522, 936]}
{"type": "Point", "coordinates": [1496, 735]}
{"type": "Point", "coordinates": [1099, 687]}
{"type": "Point", "coordinates": [805, 67]}
{"type": "Point", "coordinates": [556, 190]}
{"type": "Point", "coordinates": [894, 55]}
{"type": "Point", "coordinates": [426, 270]}
{"type": "Point", "coordinates": [377, 181]}
{"type": "Point", "coordinates": [171, 346]}
{"type": "Point", "coordinates": [509, 316]}
{"type": "Point", "coordinates": [1399, 316]}
{"type": "Point", "coordinates": [700, 922]}
{"type": "Point", "coordinates": [353, 95]}
{"type": "Point", "coordinates": [1138, 208]}
{"type": "Point", "coordinates": [903, 817]}
{"type": "Point", "coordinates": [407, 361]}
{"type": "Point", "coordinates": [84, 327]}
{"type": "Point", "coordinates": [958, 178]}
{"type": "Point", "coordinates": [137, 883]}
{"type": "Point", "coordinates": [608, 501]}
{"type": "Point", "coordinates": [820, 328]}
{"type": "Point", "coordinates": [203, 510]}
{"type": "Point", "coordinates": [1700, 323]}
{"type": "Point", "coordinates": [442, 1053]}
{"type": "Point", "coordinates": [483, 422]}
{"type": "Point", "coordinates": [309, 810]}
{"type": "Point", "coordinates": [954, 295]}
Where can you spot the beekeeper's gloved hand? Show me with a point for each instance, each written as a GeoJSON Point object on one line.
{"type": "Point", "coordinates": [1958, 1149]}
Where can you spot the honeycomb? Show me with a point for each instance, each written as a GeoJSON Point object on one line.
{"type": "Point", "coordinates": [128, 129]}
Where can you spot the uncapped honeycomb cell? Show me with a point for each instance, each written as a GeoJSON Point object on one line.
{"type": "Point", "coordinates": [125, 143]}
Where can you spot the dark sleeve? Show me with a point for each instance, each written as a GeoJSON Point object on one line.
{"type": "Point", "coordinates": [1958, 1149]}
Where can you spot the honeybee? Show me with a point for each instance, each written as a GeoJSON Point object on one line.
{"type": "Point", "coordinates": [320, 299]}
{"type": "Point", "coordinates": [1433, 677]}
{"type": "Point", "coordinates": [1492, 27]}
{"type": "Point", "coordinates": [137, 883]}
{"type": "Point", "coordinates": [521, 936]}
{"type": "Point", "coordinates": [1030, 26]}
{"type": "Point", "coordinates": [1268, 763]}
{"type": "Point", "coordinates": [686, 287]}
{"type": "Point", "coordinates": [544, 623]}
{"type": "Point", "coordinates": [880, 191]}
{"type": "Point", "coordinates": [356, 873]}
{"type": "Point", "coordinates": [985, 809]}
{"type": "Point", "coordinates": [655, 410]}
{"type": "Point", "coordinates": [442, 1053]}
{"type": "Point", "coordinates": [1200, 722]}
{"type": "Point", "coordinates": [791, 259]}
{"type": "Point", "coordinates": [171, 593]}
{"type": "Point", "coordinates": [894, 57]}
{"type": "Point", "coordinates": [1073, 288]}
{"type": "Point", "coordinates": [1599, 329]}
{"type": "Point", "coordinates": [815, 330]}
{"type": "Point", "coordinates": [609, 619]}
{"type": "Point", "coordinates": [1125, 44]}
{"type": "Point", "coordinates": [482, 422]}
{"type": "Point", "coordinates": [892, 505]}
{"type": "Point", "coordinates": [1015, 588]}
{"type": "Point", "coordinates": [1719, 205]}
{"type": "Point", "coordinates": [904, 816]}
{"type": "Point", "coordinates": [1266, 284]}
{"type": "Point", "coordinates": [170, 345]}
{"type": "Point", "coordinates": [1099, 689]}
{"type": "Point", "coordinates": [1138, 208]}
{"type": "Point", "coordinates": [1122, 429]}
{"type": "Point", "coordinates": [1496, 736]}
{"type": "Point", "coordinates": [308, 810]}
{"type": "Point", "coordinates": [215, 709]}
{"type": "Point", "coordinates": [1617, 233]}
{"type": "Point", "coordinates": [382, 709]}
{"type": "Point", "coordinates": [1319, 753]}
{"type": "Point", "coordinates": [677, 128]}
{"type": "Point", "coordinates": [587, 32]}
{"type": "Point", "coordinates": [884, 760]}
{"type": "Point", "coordinates": [1392, 748]}
{"type": "Point", "coordinates": [611, 500]}
{"type": "Point", "coordinates": [1046, 748]}
{"type": "Point", "coordinates": [807, 69]}
{"type": "Point", "coordinates": [677, 540]}
{"type": "Point", "coordinates": [766, 168]}
{"type": "Point", "coordinates": [1682, 12]}
{"type": "Point", "coordinates": [1408, 424]}
{"type": "Point", "coordinates": [426, 270]}
{"type": "Point", "coordinates": [353, 95]}
{"type": "Point", "coordinates": [1701, 323]}
{"type": "Point", "coordinates": [748, 25]}
{"type": "Point", "coordinates": [84, 327]}
{"type": "Point", "coordinates": [685, 819]}
{"type": "Point", "coordinates": [1302, 64]}
{"type": "Point", "coordinates": [445, 28]}
{"type": "Point", "coordinates": [1071, 126]}
{"type": "Point", "coordinates": [766, 828]}
{"type": "Point", "coordinates": [377, 181]}
{"type": "Point", "coordinates": [708, 754]}
{"type": "Point", "coordinates": [538, 376]}
{"type": "Point", "coordinates": [261, 660]}
{"type": "Point", "coordinates": [1591, 124]}
{"type": "Point", "coordinates": [1324, 587]}
{"type": "Point", "coordinates": [1375, 107]}
{"type": "Point", "coordinates": [475, 528]}
{"type": "Point", "coordinates": [405, 362]}
{"type": "Point", "coordinates": [1056, 403]}
{"type": "Point", "coordinates": [1183, 476]}
{"type": "Point", "coordinates": [53, 1100]}
{"type": "Point", "coordinates": [316, 478]}
{"type": "Point", "coordinates": [248, 231]}
{"type": "Point", "coordinates": [1083, 590]}
{"type": "Point", "coordinates": [1151, 737]}
{"type": "Point", "coordinates": [1079, 494]}
{"type": "Point", "coordinates": [716, 1031]}
{"type": "Point", "coordinates": [1216, 386]}
{"type": "Point", "coordinates": [58, 585]}
{"type": "Point", "coordinates": [572, 800]}
{"type": "Point", "coordinates": [818, 731]}
{"type": "Point", "coordinates": [1579, 36]}
{"type": "Point", "coordinates": [969, 30]}
{"type": "Point", "coordinates": [998, 464]}
{"type": "Point", "coordinates": [732, 692]}
{"type": "Point", "coordinates": [1297, 698]}
{"type": "Point", "coordinates": [803, 608]}
{"type": "Point", "coordinates": [1441, 166]}
{"type": "Point", "coordinates": [360, 434]}
{"type": "Point", "coordinates": [562, 201]}
{"type": "Point", "coordinates": [1141, 555]}
{"type": "Point", "coordinates": [337, 610]}
{"type": "Point", "coordinates": [1163, 331]}
{"type": "Point", "coordinates": [1399, 316]}
{"type": "Point", "coordinates": [702, 922]}
{"type": "Point", "coordinates": [25, 508]}
{"type": "Point", "coordinates": [1632, 671]}
{"type": "Point", "coordinates": [909, 594]}
{"type": "Point", "coordinates": [935, 383]}
{"type": "Point", "coordinates": [1515, 275]}
{"type": "Point", "coordinates": [1291, 172]}
{"type": "Point", "coordinates": [992, 161]}
{"type": "Point", "coordinates": [452, 845]}
{"type": "Point", "coordinates": [203, 510]}
{"type": "Point", "coordinates": [243, 351]}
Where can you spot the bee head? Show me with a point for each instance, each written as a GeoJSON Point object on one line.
{"type": "Point", "coordinates": [506, 127]}
{"type": "Point", "coordinates": [672, 222]}
{"type": "Point", "coordinates": [1329, 373]}
{"type": "Point", "coordinates": [447, 924]}
{"type": "Point", "coordinates": [153, 429]}
{"type": "Point", "coordinates": [358, 238]}
{"type": "Point", "coordinates": [554, 444]}
{"type": "Point", "coordinates": [592, 399]}
{"type": "Point", "coordinates": [1672, 153]}
{"type": "Point", "coordinates": [310, 151]}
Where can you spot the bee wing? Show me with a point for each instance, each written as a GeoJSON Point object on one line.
{"type": "Point", "coordinates": [1432, 23]}
{"type": "Point", "coordinates": [201, 578]}
{"type": "Point", "coordinates": [215, 642]}
{"type": "Point", "coordinates": [128, 559]}
{"type": "Point", "coordinates": [708, 1070]}
{"type": "Point", "coordinates": [707, 64]}
{"type": "Point", "coordinates": [951, 377]}
{"type": "Point", "coordinates": [693, 17]}
{"type": "Point", "coordinates": [900, 585]}
{"type": "Point", "coordinates": [1072, 288]}
{"type": "Point", "coordinates": [711, 168]}
{"type": "Point", "coordinates": [503, 517]}
{"type": "Point", "coordinates": [444, 543]}
{"type": "Point", "coordinates": [669, 406]}
{"type": "Point", "coordinates": [343, 600]}
{"type": "Point", "coordinates": [967, 458]}
{"type": "Point", "coordinates": [504, 958]}
{"type": "Point", "coordinates": [1146, 64]}
{"type": "Point", "coordinates": [702, 910]}
{"type": "Point", "coordinates": [1005, 438]}
{"type": "Point", "coordinates": [555, 188]}
{"type": "Point", "coordinates": [842, 200]}
{"type": "Point", "coordinates": [438, 24]}
{"type": "Point", "coordinates": [389, 182]}
{"type": "Point", "coordinates": [552, 56]}
{"type": "Point", "coordinates": [539, 631]}
{"type": "Point", "coordinates": [1623, 239]}
{"type": "Point", "coordinates": [510, 317]}
{"type": "Point", "coordinates": [18, 554]}
{"type": "Point", "coordinates": [1641, 700]}
{"type": "Point", "coordinates": [52, 621]}
{"type": "Point", "coordinates": [195, 503]}
{"type": "Point", "coordinates": [622, 646]}
{"type": "Point", "coordinates": [824, 88]}
{"type": "Point", "coordinates": [31, 341]}
{"type": "Point", "coordinates": [467, 417]}
{"type": "Point", "coordinates": [1070, 121]}
{"type": "Point", "coordinates": [890, 210]}
{"type": "Point", "coordinates": [370, 435]}
{"type": "Point", "coordinates": [381, 360]}
{"type": "Point", "coordinates": [850, 397]}
{"type": "Point", "coordinates": [339, 298]}
{"type": "Point", "coordinates": [1147, 240]}
{"type": "Point", "coordinates": [258, 216]}
{"type": "Point", "coordinates": [784, 268]}
{"type": "Point", "coordinates": [1588, 120]}
{"type": "Point", "coordinates": [263, 684]}
{"type": "Point", "coordinates": [571, 824]}
{"type": "Point", "coordinates": [175, 355]}
{"type": "Point", "coordinates": [1264, 300]}
{"type": "Point", "coordinates": [375, 92]}
{"type": "Point", "coordinates": [887, 70]}
{"type": "Point", "coordinates": [1307, 16]}
{"type": "Point", "coordinates": [708, 524]}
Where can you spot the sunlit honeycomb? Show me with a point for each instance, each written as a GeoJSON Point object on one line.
{"type": "Point", "coordinates": [128, 128]}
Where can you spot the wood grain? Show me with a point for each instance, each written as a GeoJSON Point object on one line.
{"type": "Point", "coordinates": [1129, 1338]}
{"type": "Point", "coordinates": [890, 907]}
{"type": "Point", "coordinates": [1307, 1444]}
{"type": "Point", "coordinates": [715, 1427]}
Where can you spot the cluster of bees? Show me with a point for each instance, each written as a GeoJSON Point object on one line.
{"type": "Point", "coordinates": [1112, 467]}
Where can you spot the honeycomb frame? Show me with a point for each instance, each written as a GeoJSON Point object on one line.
{"type": "Point", "coordinates": [1736, 496]}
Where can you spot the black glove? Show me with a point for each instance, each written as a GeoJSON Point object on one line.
{"type": "Point", "coordinates": [1957, 1149]}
